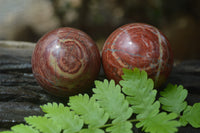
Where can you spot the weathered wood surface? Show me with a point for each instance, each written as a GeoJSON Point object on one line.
{"type": "Point", "coordinates": [20, 96]}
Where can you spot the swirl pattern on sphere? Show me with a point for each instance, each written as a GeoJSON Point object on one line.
{"type": "Point", "coordinates": [65, 60]}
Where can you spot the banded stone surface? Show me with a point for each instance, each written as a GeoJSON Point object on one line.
{"type": "Point", "coordinates": [137, 45]}
{"type": "Point", "coordinates": [66, 61]}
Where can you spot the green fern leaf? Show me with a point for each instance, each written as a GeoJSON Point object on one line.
{"type": "Point", "coordinates": [21, 128]}
{"type": "Point", "coordinates": [140, 93]}
{"type": "Point", "coordinates": [91, 130]}
{"type": "Point", "coordinates": [161, 123]}
{"type": "Point", "coordinates": [43, 124]}
{"type": "Point", "coordinates": [124, 127]}
{"type": "Point", "coordinates": [173, 98]}
{"type": "Point", "coordinates": [135, 80]}
{"type": "Point", "coordinates": [89, 109]}
{"type": "Point", "coordinates": [150, 111]}
{"type": "Point", "coordinates": [112, 100]}
{"type": "Point", "coordinates": [108, 110]}
{"type": "Point", "coordinates": [62, 115]}
{"type": "Point", "coordinates": [192, 115]}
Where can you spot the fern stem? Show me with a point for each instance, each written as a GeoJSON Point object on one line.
{"type": "Point", "coordinates": [107, 125]}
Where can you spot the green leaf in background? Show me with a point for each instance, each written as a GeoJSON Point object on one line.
{"type": "Point", "coordinates": [161, 123]}
{"type": "Point", "coordinates": [89, 109]}
{"type": "Point", "coordinates": [192, 115]}
{"type": "Point", "coordinates": [140, 93]}
{"type": "Point", "coordinates": [111, 99]}
{"type": "Point", "coordinates": [21, 128]}
{"type": "Point", "coordinates": [62, 115]}
{"type": "Point", "coordinates": [43, 124]}
{"type": "Point", "coordinates": [91, 131]}
{"type": "Point", "coordinates": [173, 98]}
{"type": "Point", "coordinates": [123, 127]}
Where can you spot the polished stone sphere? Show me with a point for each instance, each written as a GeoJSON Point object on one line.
{"type": "Point", "coordinates": [137, 45]}
{"type": "Point", "coordinates": [65, 61]}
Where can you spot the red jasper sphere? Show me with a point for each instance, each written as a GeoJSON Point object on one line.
{"type": "Point", "coordinates": [137, 45]}
{"type": "Point", "coordinates": [65, 61]}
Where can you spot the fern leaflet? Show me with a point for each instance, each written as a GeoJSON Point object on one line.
{"type": "Point", "coordinates": [123, 127]}
{"type": "Point", "coordinates": [173, 98]}
{"type": "Point", "coordinates": [21, 128]}
{"type": "Point", "coordinates": [140, 94]}
{"type": "Point", "coordinates": [43, 124]}
{"type": "Point", "coordinates": [112, 100]}
{"type": "Point", "coordinates": [89, 109]}
{"type": "Point", "coordinates": [192, 115]}
{"type": "Point", "coordinates": [161, 123]}
{"type": "Point", "coordinates": [62, 115]}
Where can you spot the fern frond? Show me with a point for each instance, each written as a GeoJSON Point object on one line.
{"type": "Point", "coordinates": [63, 117]}
{"type": "Point", "coordinates": [161, 123]}
{"type": "Point", "coordinates": [191, 115]}
{"type": "Point", "coordinates": [151, 111]}
{"type": "Point", "coordinates": [43, 124]}
{"type": "Point", "coordinates": [139, 91]}
{"type": "Point", "coordinates": [142, 97]}
{"type": "Point", "coordinates": [89, 109]}
{"type": "Point", "coordinates": [136, 80]}
{"type": "Point", "coordinates": [173, 98]}
{"type": "Point", "coordinates": [21, 128]}
{"type": "Point", "coordinates": [91, 130]}
{"type": "Point", "coordinates": [108, 110]}
{"type": "Point", "coordinates": [111, 99]}
{"type": "Point", "coordinates": [123, 127]}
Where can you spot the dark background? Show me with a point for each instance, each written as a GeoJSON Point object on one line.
{"type": "Point", "coordinates": [179, 20]}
